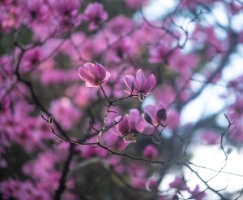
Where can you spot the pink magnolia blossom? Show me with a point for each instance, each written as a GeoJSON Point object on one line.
{"type": "Point", "coordinates": [193, 4]}
{"type": "Point", "coordinates": [140, 85]}
{"type": "Point", "coordinates": [158, 53]}
{"type": "Point", "coordinates": [179, 183]}
{"type": "Point", "coordinates": [37, 10]}
{"type": "Point", "coordinates": [120, 25]}
{"type": "Point", "coordinates": [150, 152]}
{"type": "Point", "coordinates": [197, 194]}
{"type": "Point", "coordinates": [31, 58]}
{"type": "Point", "coordinates": [183, 64]}
{"type": "Point", "coordinates": [68, 12]}
{"type": "Point", "coordinates": [95, 13]}
{"type": "Point", "coordinates": [130, 125]}
{"type": "Point", "coordinates": [119, 51]}
{"type": "Point", "coordinates": [235, 7]}
{"type": "Point", "coordinates": [53, 76]}
{"type": "Point", "coordinates": [173, 119]}
{"type": "Point", "coordinates": [236, 132]}
{"type": "Point", "coordinates": [136, 4]}
{"type": "Point", "coordinates": [15, 189]}
{"type": "Point", "coordinates": [155, 114]}
{"type": "Point", "coordinates": [66, 7]}
{"type": "Point", "coordinates": [94, 74]}
{"type": "Point", "coordinates": [65, 112]}
{"type": "Point", "coordinates": [11, 16]}
{"type": "Point", "coordinates": [210, 137]}
{"type": "Point", "coordinates": [207, 35]}
{"type": "Point", "coordinates": [42, 169]}
{"type": "Point", "coordinates": [236, 109]}
{"type": "Point", "coordinates": [138, 182]}
{"type": "Point", "coordinates": [88, 152]}
{"type": "Point", "coordinates": [165, 95]}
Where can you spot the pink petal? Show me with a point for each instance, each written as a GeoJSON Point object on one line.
{"type": "Point", "coordinates": [104, 15]}
{"type": "Point", "coordinates": [90, 67]}
{"type": "Point", "coordinates": [150, 152]}
{"type": "Point", "coordinates": [129, 80]}
{"type": "Point", "coordinates": [100, 71]}
{"type": "Point", "coordinates": [123, 125]}
{"type": "Point", "coordinates": [141, 125]}
{"type": "Point", "coordinates": [108, 75]}
{"type": "Point", "coordinates": [160, 105]}
{"type": "Point", "coordinates": [86, 75]}
{"type": "Point", "coordinates": [133, 118]}
{"type": "Point", "coordinates": [129, 92]}
{"type": "Point", "coordinates": [90, 85]}
{"type": "Point", "coordinates": [149, 85]}
{"type": "Point", "coordinates": [140, 78]}
{"type": "Point", "coordinates": [152, 112]}
{"type": "Point", "coordinates": [137, 86]}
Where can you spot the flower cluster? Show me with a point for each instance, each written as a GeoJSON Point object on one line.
{"type": "Point", "coordinates": [93, 94]}
{"type": "Point", "coordinates": [95, 75]}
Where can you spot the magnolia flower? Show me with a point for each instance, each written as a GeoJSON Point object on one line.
{"type": "Point", "coordinates": [130, 125]}
{"type": "Point", "coordinates": [179, 183]}
{"type": "Point", "coordinates": [95, 13]}
{"type": "Point", "coordinates": [140, 85]}
{"type": "Point", "coordinates": [150, 152]}
{"type": "Point", "coordinates": [93, 74]}
{"type": "Point", "coordinates": [155, 115]}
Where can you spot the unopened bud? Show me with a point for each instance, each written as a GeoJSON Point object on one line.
{"type": "Point", "coordinates": [161, 114]}
{"type": "Point", "coordinates": [147, 118]}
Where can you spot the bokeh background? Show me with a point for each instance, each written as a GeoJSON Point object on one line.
{"type": "Point", "coordinates": [194, 49]}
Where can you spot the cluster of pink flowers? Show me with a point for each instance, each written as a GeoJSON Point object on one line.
{"type": "Point", "coordinates": [96, 75]}
{"type": "Point", "coordinates": [126, 104]}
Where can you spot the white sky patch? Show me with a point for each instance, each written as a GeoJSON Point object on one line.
{"type": "Point", "coordinates": [220, 14]}
{"type": "Point", "coordinates": [212, 157]}
{"type": "Point", "coordinates": [206, 104]}
{"type": "Point", "coordinates": [237, 22]}
{"type": "Point", "coordinates": [148, 100]}
{"type": "Point", "coordinates": [158, 8]}
{"type": "Point", "coordinates": [210, 102]}
{"type": "Point", "coordinates": [235, 67]}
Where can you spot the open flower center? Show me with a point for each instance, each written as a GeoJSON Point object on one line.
{"type": "Point", "coordinates": [131, 136]}
{"type": "Point", "coordinates": [141, 97]}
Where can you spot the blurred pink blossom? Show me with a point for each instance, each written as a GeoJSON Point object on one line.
{"type": "Point", "coordinates": [209, 137]}
{"type": "Point", "coordinates": [120, 25]}
{"type": "Point", "coordinates": [31, 58]}
{"type": "Point", "coordinates": [236, 132]}
{"type": "Point", "coordinates": [158, 53]}
{"type": "Point", "coordinates": [136, 3]}
{"type": "Point", "coordinates": [94, 13]}
{"type": "Point", "coordinates": [150, 152]}
{"type": "Point", "coordinates": [197, 194]}
{"type": "Point", "coordinates": [236, 109]}
{"type": "Point", "coordinates": [16, 189]}
{"type": "Point", "coordinates": [88, 151]}
{"type": "Point", "coordinates": [64, 112]}
{"type": "Point", "coordinates": [179, 184]}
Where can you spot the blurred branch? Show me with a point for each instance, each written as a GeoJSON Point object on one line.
{"type": "Point", "coordinates": [62, 181]}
